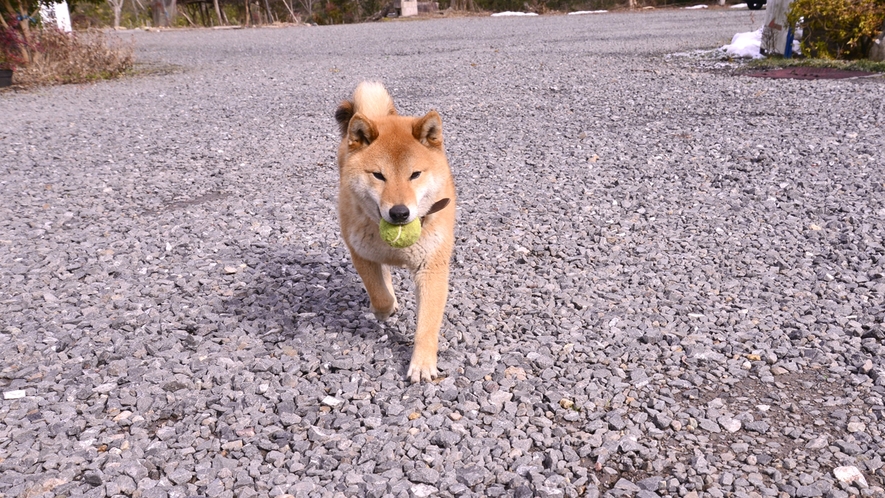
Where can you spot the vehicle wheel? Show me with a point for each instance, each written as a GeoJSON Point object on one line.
{"type": "Point", "coordinates": [754, 5]}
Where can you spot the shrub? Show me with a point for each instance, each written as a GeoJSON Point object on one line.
{"type": "Point", "coordinates": [59, 57]}
{"type": "Point", "coordinates": [837, 29]}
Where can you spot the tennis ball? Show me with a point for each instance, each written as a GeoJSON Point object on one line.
{"type": "Point", "coordinates": [400, 236]}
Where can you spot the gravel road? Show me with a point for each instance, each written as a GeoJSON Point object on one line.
{"type": "Point", "coordinates": [669, 280]}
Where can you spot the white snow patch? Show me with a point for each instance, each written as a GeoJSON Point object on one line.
{"type": "Point", "coordinates": [745, 45]}
{"type": "Point", "coordinates": [582, 12]}
{"type": "Point", "coordinates": [695, 7]}
{"type": "Point", "coordinates": [510, 14]}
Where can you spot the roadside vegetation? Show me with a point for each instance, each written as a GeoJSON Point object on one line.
{"type": "Point", "coordinates": [51, 56]}
{"type": "Point", "coordinates": [853, 65]}
{"type": "Point", "coordinates": [833, 30]}
{"type": "Point", "coordinates": [836, 34]}
{"type": "Point", "coordinates": [838, 29]}
{"type": "Point", "coordinates": [210, 13]}
{"type": "Point", "coordinates": [41, 55]}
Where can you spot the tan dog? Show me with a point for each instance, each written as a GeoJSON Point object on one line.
{"type": "Point", "coordinates": [394, 167]}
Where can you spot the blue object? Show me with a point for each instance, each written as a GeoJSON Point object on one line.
{"type": "Point", "coordinates": [788, 50]}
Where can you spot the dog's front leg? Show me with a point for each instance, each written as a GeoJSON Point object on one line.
{"type": "Point", "coordinates": [432, 290]}
{"type": "Point", "coordinates": [377, 281]}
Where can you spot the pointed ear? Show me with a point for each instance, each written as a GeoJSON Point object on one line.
{"type": "Point", "coordinates": [361, 132]}
{"type": "Point", "coordinates": [343, 115]}
{"type": "Point", "coordinates": [428, 130]}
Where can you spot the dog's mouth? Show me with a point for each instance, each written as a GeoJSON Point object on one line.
{"type": "Point", "coordinates": [435, 208]}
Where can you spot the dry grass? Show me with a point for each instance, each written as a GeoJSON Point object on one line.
{"type": "Point", "coordinates": [59, 57]}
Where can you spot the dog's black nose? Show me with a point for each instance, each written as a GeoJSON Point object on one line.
{"type": "Point", "coordinates": [399, 213]}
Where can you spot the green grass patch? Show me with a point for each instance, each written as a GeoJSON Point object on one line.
{"type": "Point", "coordinates": [853, 65]}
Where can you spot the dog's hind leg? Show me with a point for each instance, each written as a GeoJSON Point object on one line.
{"type": "Point", "coordinates": [378, 283]}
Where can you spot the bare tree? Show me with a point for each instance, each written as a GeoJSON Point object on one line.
{"type": "Point", "coordinates": [218, 12]}
{"type": "Point", "coordinates": [463, 5]}
{"type": "Point", "coordinates": [187, 18]}
{"type": "Point", "coordinates": [117, 5]}
{"type": "Point", "coordinates": [138, 6]}
{"type": "Point", "coordinates": [381, 14]}
{"type": "Point", "coordinates": [308, 6]}
{"type": "Point", "coordinates": [290, 8]}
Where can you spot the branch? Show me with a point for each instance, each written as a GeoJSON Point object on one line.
{"type": "Point", "coordinates": [187, 17]}
{"type": "Point", "coordinates": [381, 14]}
{"type": "Point", "coordinates": [291, 12]}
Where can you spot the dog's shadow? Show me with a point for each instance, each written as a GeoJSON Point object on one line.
{"type": "Point", "coordinates": [315, 303]}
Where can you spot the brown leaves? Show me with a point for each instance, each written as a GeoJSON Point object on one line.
{"type": "Point", "coordinates": [60, 57]}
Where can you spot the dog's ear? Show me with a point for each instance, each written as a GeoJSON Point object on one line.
{"type": "Point", "coordinates": [343, 115]}
{"type": "Point", "coordinates": [361, 132]}
{"type": "Point", "coordinates": [428, 130]}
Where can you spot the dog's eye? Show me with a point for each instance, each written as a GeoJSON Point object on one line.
{"type": "Point", "coordinates": [378, 176]}
{"type": "Point", "coordinates": [415, 175]}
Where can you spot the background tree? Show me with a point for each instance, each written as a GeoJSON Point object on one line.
{"type": "Point", "coordinates": [290, 8]}
{"type": "Point", "coordinates": [117, 5]}
{"type": "Point", "coordinates": [309, 8]}
{"type": "Point", "coordinates": [13, 50]}
{"type": "Point", "coordinates": [18, 18]}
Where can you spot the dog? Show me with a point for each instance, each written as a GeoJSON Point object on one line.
{"type": "Point", "coordinates": [394, 167]}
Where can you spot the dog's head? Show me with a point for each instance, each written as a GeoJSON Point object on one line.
{"type": "Point", "coordinates": [397, 163]}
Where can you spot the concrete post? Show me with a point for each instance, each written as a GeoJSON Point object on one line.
{"type": "Point", "coordinates": [56, 13]}
{"type": "Point", "coordinates": [774, 32]}
{"type": "Point", "coordinates": [877, 51]}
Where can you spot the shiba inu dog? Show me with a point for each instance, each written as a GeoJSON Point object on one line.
{"type": "Point", "coordinates": [394, 167]}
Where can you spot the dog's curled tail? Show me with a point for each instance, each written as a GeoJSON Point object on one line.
{"type": "Point", "coordinates": [372, 100]}
{"type": "Point", "coordinates": [369, 99]}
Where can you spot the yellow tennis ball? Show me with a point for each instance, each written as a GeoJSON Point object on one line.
{"type": "Point", "coordinates": [400, 236]}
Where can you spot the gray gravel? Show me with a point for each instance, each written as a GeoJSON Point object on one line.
{"type": "Point", "coordinates": [668, 279]}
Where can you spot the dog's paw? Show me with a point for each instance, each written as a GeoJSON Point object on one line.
{"type": "Point", "coordinates": [382, 315]}
{"type": "Point", "coordinates": [422, 369]}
